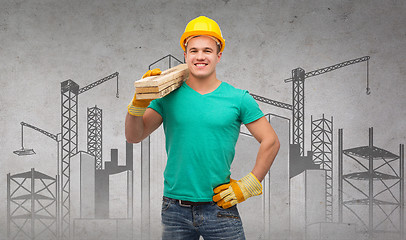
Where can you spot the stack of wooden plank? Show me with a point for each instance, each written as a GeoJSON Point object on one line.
{"type": "Point", "coordinates": [161, 85]}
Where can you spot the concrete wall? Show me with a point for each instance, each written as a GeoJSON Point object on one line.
{"type": "Point", "coordinates": [120, 195]}
{"type": "Point", "coordinates": [102, 229]}
{"type": "Point", "coordinates": [82, 186]}
{"type": "Point", "coordinates": [307, 201]}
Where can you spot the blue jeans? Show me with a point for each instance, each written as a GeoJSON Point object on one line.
{"type": "Point", "coordinates": [209, 221]}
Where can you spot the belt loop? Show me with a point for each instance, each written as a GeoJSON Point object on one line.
{"type": "Point", "coordinates": [183, 205]}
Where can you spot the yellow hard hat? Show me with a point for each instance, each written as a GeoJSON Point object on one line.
{"type": "Point", "coordinates": [202, 26]}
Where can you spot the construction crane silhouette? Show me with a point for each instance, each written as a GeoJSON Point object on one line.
{"type": "Point", "coordinates": [298, 77]}
{"type": "Point", "coordinates": [69, 142]}
{"type": "Point", "coordinates": [28, 151]}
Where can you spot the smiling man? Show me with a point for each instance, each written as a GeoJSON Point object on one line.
{"type": "Point", "coordinates": [202, 121]}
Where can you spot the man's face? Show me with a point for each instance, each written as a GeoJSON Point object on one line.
{"type": "Point", "coordinates": [201, 57]}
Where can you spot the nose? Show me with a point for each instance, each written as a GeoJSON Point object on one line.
{"type": "Point", "coordinates": [200, 55]}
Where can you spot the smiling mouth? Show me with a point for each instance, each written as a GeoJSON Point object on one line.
{"type": "Point", "coordinates": [200, 64]}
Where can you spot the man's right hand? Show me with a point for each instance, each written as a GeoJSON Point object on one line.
{"type": "Point", "coordinates": [137, 107]}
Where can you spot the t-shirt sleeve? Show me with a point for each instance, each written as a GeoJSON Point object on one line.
{"type": "Point", "coordinates": [156, 104]}
{"type": "Point", "coordinates": [249, 109]}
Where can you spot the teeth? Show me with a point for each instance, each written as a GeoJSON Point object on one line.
{"type": "Point", "coordinates": [201, 65]}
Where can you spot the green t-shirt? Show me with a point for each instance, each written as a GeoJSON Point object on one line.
{"type": "Point", "coordinates": [201, 132]}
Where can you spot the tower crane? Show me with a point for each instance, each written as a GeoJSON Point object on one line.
{"type": "Point", "coordinates": [69, 142]}
{"type": "Point", "coordinates": [27, 151]}
{"type": "Point", "coordinates": [298, 77]}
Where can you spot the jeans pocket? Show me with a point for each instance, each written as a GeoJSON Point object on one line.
{"type": "Point", "coordinates": [165, 204]}
{"type": "Point", "coordinates": [228, 215]}
{"type": "Point", "coordinates": [231, 212]}
{"type": "Point", "coordinates": [217, 206]}
{"type": "Point", "coordinates": [221, 208]}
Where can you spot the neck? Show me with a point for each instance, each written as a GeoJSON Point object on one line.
{"type": "Point", "coordinates": [203, 85]}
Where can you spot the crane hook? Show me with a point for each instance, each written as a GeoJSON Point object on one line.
{"type": "Point", "coordinates": [117, 95]}
{"type": "Point", "coordinates": [368, 89]}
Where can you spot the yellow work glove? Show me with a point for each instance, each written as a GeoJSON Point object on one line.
{"type": "Point", "coordinates": [229, 194]}
{"type": "Point", "coordinates": [138, 107]}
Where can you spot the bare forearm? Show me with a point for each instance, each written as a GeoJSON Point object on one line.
{"type": "Point", "coordinates": [266, 155]}
{"type": "Point", "coordinates": [138, 128]}
{"type": "Point", "coordinates": [134, 128]}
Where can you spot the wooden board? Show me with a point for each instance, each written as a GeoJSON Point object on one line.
{"type": "Point", "coordinates": [163, 84]}
{"type": "Point", "coordinates": [155, 89]}
{"type": "Point", "coordinates": [162, 93]}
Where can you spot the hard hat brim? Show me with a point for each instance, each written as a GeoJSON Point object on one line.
{"type": "Point", "coordinates": [201, 32]}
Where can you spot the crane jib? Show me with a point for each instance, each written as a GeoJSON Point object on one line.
{"type": "Point", "coordinates": [53, 136]}
{"type": "Point", "coordinates": [332, 68]}
{"type": "Point", "coordinates": [98, 82]}
{"type": "Point", "coordinates": [272, 102]}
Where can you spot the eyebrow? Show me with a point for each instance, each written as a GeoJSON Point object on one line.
{"type": "Point", "coordinates": [205, 48]}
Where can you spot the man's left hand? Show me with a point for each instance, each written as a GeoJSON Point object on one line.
{"type": "Point", "coordinates": [229, 194]}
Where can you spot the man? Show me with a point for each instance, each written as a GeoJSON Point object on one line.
{"type": "Point", "coordinates": [202, 121]}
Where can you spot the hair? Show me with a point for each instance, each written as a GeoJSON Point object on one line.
{"type": "Point", "coordinates": [218, 44]}
{"type": "Point", "coordinates": [218, 48]}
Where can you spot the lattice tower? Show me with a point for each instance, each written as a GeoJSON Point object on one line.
{"type": "Point", "coordinates": [322, 148]}
{"type": "Point", "coordinates": [94, 135]}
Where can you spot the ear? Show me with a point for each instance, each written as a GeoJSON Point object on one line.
{"type": "Point", "coordinates": [184, 55]}
{"type": "Point", "coordinates": [219, 55]}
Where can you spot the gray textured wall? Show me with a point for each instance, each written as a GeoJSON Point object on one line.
{"type": "Point", "coordinates": [44, 42]}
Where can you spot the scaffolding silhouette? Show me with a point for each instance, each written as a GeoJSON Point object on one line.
{"type": "Point", "coordinates": [377, 190]}
{"type": "Point", "coordinates": [94, 135]}
{"type": "Point", "coordinates": [322, 148]}
{"type": "Point", "coordinates": [31, 206]}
